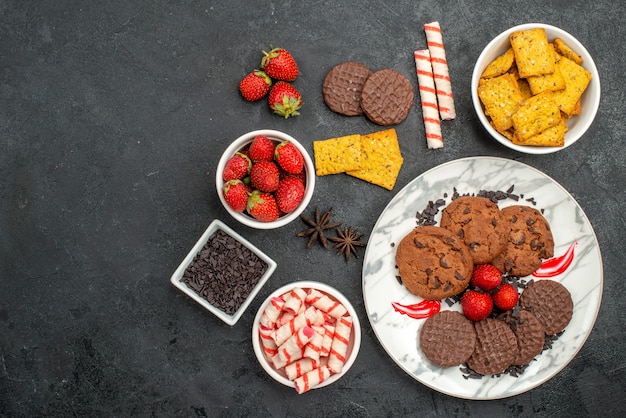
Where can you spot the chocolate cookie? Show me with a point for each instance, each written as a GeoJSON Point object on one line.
{"type": "Point", "coordinates": [447, 338]}
{"type": "Point", "coordinates": [550, 302]}
{"type": "Point", "coordinates": [479, 223]}
{"type": "Point", "coordinates": [496, 347]}
{"type": "Point", "coordinates": [342, 88]}
{"type": "Point", "coordinates": [529, 332]}
{"type": "Point", "coordinates": [529, 241]}
{"type": "Point", "coordinates": [387, 97]}
{"type": "Point", "coordinates": [433, 263]}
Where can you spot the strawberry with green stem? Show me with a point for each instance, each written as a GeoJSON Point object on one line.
{"type": "Point", "coordinates": [285, 100]}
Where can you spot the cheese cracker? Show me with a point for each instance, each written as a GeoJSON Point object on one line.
{"type": "Point", "coordinates": [381, 159]}
{"type": "Point", "coordinates": [535, 115]}
{"type": "Point", "coordinates": [533, 54]}
{"type": "Point", "coordinates": [337, 155]}
{"type": "Point", "coordinates": [576, 81]}
{"type": "Point", "coordinates": [501, 97]}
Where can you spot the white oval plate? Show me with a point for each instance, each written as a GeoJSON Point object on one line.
{"type": "Point", "coordinates": [398, 333]}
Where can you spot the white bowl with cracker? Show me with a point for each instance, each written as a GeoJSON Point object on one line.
{"type": "Point", "coordinates": [527, 85]}
{"type": "Point", "coordinates": [241, 144]}
{"type": "Point", "coordinates": [311, 347]}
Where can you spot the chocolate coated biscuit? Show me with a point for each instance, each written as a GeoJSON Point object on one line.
{"type": "Point", "coordinates": [447, 338]}
{"type": "Point", "coordinates": [342, 88]}
{"type": "Point", "coordinates": [530, 335]}
{"type": "Point", "coordinates": [479, 223]}
{"type": "Point", "coordinates": [529, 241]}
{"type": "Point", "coordinates": [550, 302]}
{"type": "Point", "coordinates": [387, 97]}
{"type": "Point", "coordinates": [496, 347]}
{"type": "Point", "coordinates": [433, 263]}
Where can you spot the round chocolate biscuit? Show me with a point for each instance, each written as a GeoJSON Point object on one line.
{"type": "Point", "coordinates": [550, 302]}
{"type": "Point", "coordinates": [529, 241]}
{"type": "Point", "coordinates": [342, 88]}
{"type": "Point", "coordinates": [529, 332]}
{"type": "Point", "coordinates": [479, 223]}
{"type": "Point", "coordinates": [447, 338]}
{"type": "Point", "coordinates": [387, 97]}
{"type": "Point", "coordinates": [433, 263]}
{"type": "Point", "coordinates": [496, 347]}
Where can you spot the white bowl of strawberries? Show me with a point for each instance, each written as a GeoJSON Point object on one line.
{"type": "Point", "coordinates": [265, 179]}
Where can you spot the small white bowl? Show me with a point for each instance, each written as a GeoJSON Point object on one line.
{"type": "Point", "coordinates": [241, 143]}
{"type": "Point", "coordinates": [590, 100]}
{"type": "Point", "coordinates": [353, 345]}
{"type": "Point", "coordinates": [178, 274]}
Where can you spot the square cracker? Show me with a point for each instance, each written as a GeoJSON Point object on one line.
{"type": "Point", "coordinates": [563, 49]}
{"type": "Point", "coordinates": [501, 97]}
{"type": "Point", "coordinates": [381, 159]}
{"type": "Point", "coordinates": [576, 81]}
{"type": "Point", "coordinates": [500, 65]}
{"type": "Point", "coordinates": [551, 137]}
{"type": "Point", "coordinates": [548, 82]}
{"type": "Point", "coordinates": [533, 54]}
{"type": "Point", "coordinates": [337, 155]}
{"type": "Point", "coordinates": [535, 115]}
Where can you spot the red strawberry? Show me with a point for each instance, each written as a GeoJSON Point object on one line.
{"type": "Point", "coordinates": [289, 194]}
{"type": "Point", "coordinates": [237, 167]}
{"type": "Point", "coordinates": [285, 100]}
{"type": "Point", "coordinates": [506, 297]}
{"type": "Point", "coordinates": [476, 305]}
{"type": "Point", "coordinates": [279, 64]}
{"type": "Point", "coordinates": [289, 157]}
{"type": "Point", "coordinates": [261, 149]}
{"type": "Point", "coordinates": [264, 176]}
{"type": "Point", "coordinates": [486, 276]}
{"type": "Point", "coordinates": [236, 195]}
{"type": "Point", "coordinates": [262, 206]}
{"type": "Point", "coordinates": [255, 85]}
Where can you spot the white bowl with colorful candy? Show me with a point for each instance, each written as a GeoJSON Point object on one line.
{"type": "Point", "coordinates": [223, 272]}
{"type": "Point", "coordinates": [265, 179]}
{"type": "Point", "coordinates": [306, 335]}
{"type": "Point", "coordinates": [535, 114]}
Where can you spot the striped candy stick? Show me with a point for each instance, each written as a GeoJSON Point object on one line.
{"type": "Point", "coordinates": [293, 349]}
{"type": "Point", "coordinates": [339, 347]}
{"type": "Point", "coordinates": [311, 379]}
{"type": "Point", "coordinates": [440, 70]}
{"type": "Point", "coordinates": [325, 303]}
{"type": "Point", "coordinates": [428, 97]}
{"type": "Point", "coordinates": [300, 367]}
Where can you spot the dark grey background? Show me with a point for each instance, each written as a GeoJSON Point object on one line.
{"type": "Point", "coordinates": [113, 115]}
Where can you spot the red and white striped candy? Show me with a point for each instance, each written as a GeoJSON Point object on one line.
{"type": "Point", "coordinates": [339, 347]}
{"type": "Point", "coordinates": [441, 73]}
{"type": "Point", "coordinates": [293, 349]}
{"type": "Point", "coordinates": [308, 317]}
{"type": "Point", "coordinates": [329, 333]}
{"type": "Point", "coordinates": [428, 97]}
{"type": "Point", "coordinates": [325, 303]}
{"type": "Point", "coordinates": [300, 367]}
{"type": "Point", "coordinates": [268, 344]}
{"type": "Point", "coordinates": [313, 348]}
{"type": "Point", "coordinates": [311, 379]}
{"type": "Point", "coordinates": [294, 300]}
{"type": "Point", "coordinates": [271, 313]}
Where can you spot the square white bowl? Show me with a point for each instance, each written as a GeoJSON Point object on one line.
{"type": "Point", "coordinates": [180, 271]}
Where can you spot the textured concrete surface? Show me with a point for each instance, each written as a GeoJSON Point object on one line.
{"type": "Point", "coordinates": [113, 115]}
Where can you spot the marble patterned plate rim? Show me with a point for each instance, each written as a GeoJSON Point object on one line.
{"type": "Point", "coordinates": [398, 334]}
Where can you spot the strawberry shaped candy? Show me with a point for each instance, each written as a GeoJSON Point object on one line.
{"type": "Point", "coordinates": [264, 176]}
{"type": "Point", "coordinates": [476, 305]}
{"type": "Point", "coordinates": [289, 157]}
{"type": "Point", "coordinates": [279, 64]}
{"type": "Point", "coordinates": [255, 86]}
{"type": "Point", "coordinates": [285, 100]}
{"type": "Point", "coordinates": [261, 149]}
{"type": "Point", "coordinates": [289, 194]}
{"type": "Point", "coordinates": [262, 206]}
{"type": "Point", "coordinates": [506, 297]}
{"type": "Point", "coordinates": [237, 167]}
{"type": "Point", "coordinates": [486, 277]}
{"type": "Point", "coordinates": [236, 195]}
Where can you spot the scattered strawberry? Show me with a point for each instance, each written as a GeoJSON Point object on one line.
{"type": "Point", "coordinates": [237, 167]}
{"type": "Point", "coordinates": [289, 194]}
{"type": "Point", "coordinates": [261, 149]}
{"type": "Point", "coordinates": [486, 277]}
{"type": "Point", "coordinates": [255, 85]}
{"type": "Point", "coordinates": [264, 176]}
{"type": "Point", "coordinates": [506, 297]}
{"type": "Point", "coordinates": [262, 206]}
{"type": "Point", "coordinates": [279, 64]}
{"type": "Point", "coordinates": [289, 157]}
{"type": "Point", "coordinates": [476, 305]}
{"type": "Point", "coordinates": [285, 100]}
{"type": "Point", "coordinates": [236, 195]}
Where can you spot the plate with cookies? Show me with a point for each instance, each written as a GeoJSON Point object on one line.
{"type": "Point", "coordinates": [482, 278]}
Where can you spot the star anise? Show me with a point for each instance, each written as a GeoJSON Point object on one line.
{"type": "Point", "coordinates": [317, 227]}
{"type": "Point", "coordinates": [347, 242]}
